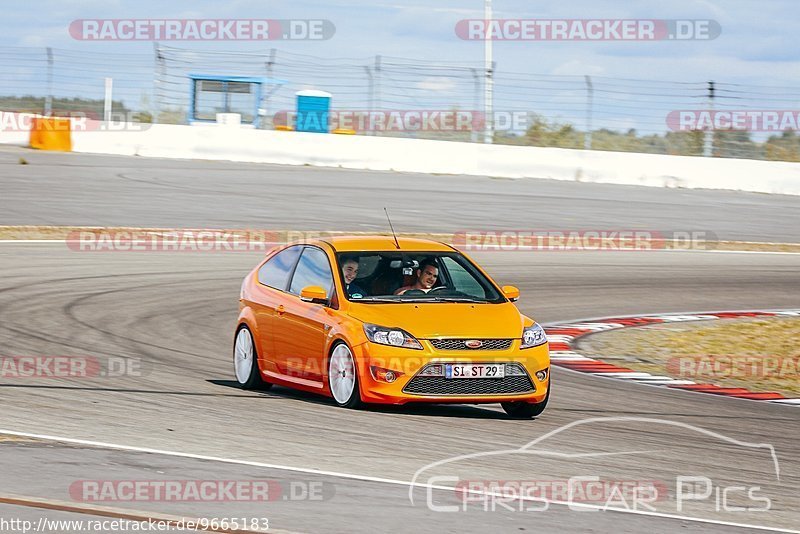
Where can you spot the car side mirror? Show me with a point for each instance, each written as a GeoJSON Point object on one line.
{"type": "Point", "coordinates": [511, 293]}
{"type": "Point", "coordinates": [314, 294]}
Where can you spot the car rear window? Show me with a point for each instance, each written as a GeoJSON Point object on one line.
{"type": "Point", "coordinates": [275, 272]}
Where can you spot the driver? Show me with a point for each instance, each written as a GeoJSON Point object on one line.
{"type": "Point", "coordinates": [427, 274]}
{"type": "Point", "coordinates": [349, 272]}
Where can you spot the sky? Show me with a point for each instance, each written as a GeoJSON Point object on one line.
{"type": "Point", "coordinates": [757, 45]}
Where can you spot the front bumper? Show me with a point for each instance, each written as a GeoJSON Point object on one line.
{"type": "Point", "coordinates": [409, 387]}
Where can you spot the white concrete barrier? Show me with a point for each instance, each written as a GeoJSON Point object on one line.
{"type": "Point", "coordinates": [438, 157]}
{"type": "Point", "coordinates": [15, 128]}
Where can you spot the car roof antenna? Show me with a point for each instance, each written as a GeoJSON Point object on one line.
{"type": "Point", "coordinates": [392, 228]}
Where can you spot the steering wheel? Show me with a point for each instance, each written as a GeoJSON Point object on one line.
{"type": "Point", "coordinates": [413, 292]}
{"type": "Point", "coordinates": [439, 288]}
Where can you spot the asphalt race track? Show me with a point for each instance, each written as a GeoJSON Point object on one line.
{"type": "Point", "coordinates": [175, 313]}
{"type": "Point", "coordinates": [88, 190]}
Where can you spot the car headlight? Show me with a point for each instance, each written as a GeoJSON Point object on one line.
{"type": "Point", "coordinates": [533, 336]}
{"type": "Point", "coordinates": [394, 337]}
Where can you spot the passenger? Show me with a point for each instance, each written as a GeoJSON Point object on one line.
{"type": "Point", "coordinates": [350, 271]}
{"type": "Point", "coordinates": [427, 274]}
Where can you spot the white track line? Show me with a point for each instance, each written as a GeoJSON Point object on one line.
{"type": "Point", "coordinates": [7, 241]}
{"type": "Point", "coordinates": [367, 478]}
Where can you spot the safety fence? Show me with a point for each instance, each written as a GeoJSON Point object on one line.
{"type": "Point", "coordinates": [406, 97]}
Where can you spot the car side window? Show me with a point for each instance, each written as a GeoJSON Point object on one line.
{"type": "Point", "coordinates": [275, 272]}
{"type": "Point", "coordinates": [313, 269]}
{"type": "Point", "coordinates": [462, 280]}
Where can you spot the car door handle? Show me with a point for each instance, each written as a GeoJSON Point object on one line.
{"type": "Point", "coordinates": [280, 309]}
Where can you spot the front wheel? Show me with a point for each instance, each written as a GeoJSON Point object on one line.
{"type": "Point", "coordinates": [527, 410]}
{"type": "Point", "coordinates": [245, 361]}
{"type": "Point", "coordinates": [343, 377]}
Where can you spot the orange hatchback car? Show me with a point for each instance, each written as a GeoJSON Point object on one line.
{"type": "Point", "coordinates": [391, 321]}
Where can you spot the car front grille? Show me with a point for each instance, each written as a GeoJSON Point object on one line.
{"type": "Point", "coordinates": [438, 385]}
{"type": "Point", "coordinates": [461, 344]}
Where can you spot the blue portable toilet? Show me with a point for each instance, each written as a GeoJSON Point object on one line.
{"type": "Point", "coordinates": [313, 108]}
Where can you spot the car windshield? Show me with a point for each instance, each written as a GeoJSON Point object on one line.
{"type": "Point", "coordinates": [414, 277]}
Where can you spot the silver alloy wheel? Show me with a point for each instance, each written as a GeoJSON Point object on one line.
{"type": "Point", "coordinates": [342, 374]}
{"type": "Point", "coordinates": [243, 355]}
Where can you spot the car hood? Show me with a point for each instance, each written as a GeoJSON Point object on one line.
{"type": "Point", "coordinates": [443, 319]}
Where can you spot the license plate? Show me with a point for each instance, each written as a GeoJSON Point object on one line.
{"type": "Point", "coordinates": [474, 370]}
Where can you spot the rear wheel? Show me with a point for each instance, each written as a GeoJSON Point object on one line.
{"type": "Point", "coordinates": [343, 377]}
{"type": "Point", "coordinates": [527, 410]}
{"type": "Point", "coordinates": [245, 361]}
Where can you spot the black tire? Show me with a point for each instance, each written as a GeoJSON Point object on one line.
{"type": "Point", "coordinates": [254, 380]}
{"type": "Point", "coordinates": [354, 401]}
{"type": "Point", "coordinates": [527, 410]}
